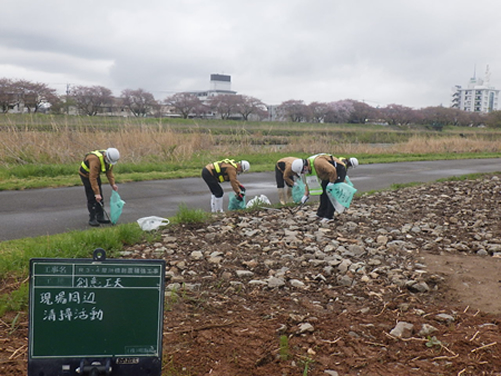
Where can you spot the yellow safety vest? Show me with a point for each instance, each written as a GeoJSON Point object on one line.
{"type": "Point", "coordinates": [217, 167]}
{"type": "Point", "coordinates": [314, 184]}
{"type": "Point", "coordinates": [99, 154]}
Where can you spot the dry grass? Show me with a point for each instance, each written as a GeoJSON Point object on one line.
{"type": "Point", "coordinates": [65, 145]}
{"type": "Point", "coordinates": [68, 146]}
{"type": "Point", "coordinates": [415, 145]}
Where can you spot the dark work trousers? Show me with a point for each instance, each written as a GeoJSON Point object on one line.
{"type": "Point", "coordinates": [325, 209]}
{"type": "Point", "coordinates": [212, 183]}
{"type": "Point", "coordinates": [92, 205]}
{"type": "Point", "coordinates": [279, 175]}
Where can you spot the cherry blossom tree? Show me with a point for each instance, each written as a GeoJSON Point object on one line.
{"type": "Point", "coordinates": [294, 110]}
{"type": "Point", "coordinates": [246, 106]}
{"type": "Point", "coordinates": [90, 100]}
{"type": "Point", "coordinates": [141, 103]}
{"type": "Point", "coordinates": [184, 103]}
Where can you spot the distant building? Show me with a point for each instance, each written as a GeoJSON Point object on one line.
{"type": "Point", "coordinates": [479, 96]}
{"type": "Point", "coordinates": [219, 84]}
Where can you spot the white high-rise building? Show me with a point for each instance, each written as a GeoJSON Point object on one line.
{"type": "Point", "coordinates": [479, 96]}
{"type": "Point", "coordinates": [219, 84]}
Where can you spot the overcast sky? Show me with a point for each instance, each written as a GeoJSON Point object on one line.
{"type": "Point", "coordinates": [378, 51]}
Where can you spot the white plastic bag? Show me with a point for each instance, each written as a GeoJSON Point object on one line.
{"type": "Point", "coordinates": [152, 223]}
{"type": "Point", "coordinates": [258, 200]}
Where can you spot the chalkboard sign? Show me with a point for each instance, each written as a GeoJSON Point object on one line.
{"type": "Point", "coordinates": [95, 315]}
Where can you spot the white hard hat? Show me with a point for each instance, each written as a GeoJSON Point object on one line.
{"type": "Point", "coordinates": [245, 165]}
{"type": "Point", "coordinates": [297, 166]}
{"type": "Point", "coordinates": [112, 155]}
{"type": "Point", "coordinates": [354, 162]}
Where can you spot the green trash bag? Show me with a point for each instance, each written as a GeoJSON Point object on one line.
{"type": "Point", "coordinates": [341, 192]}
{"type": "Point", "coordinates": [116, 206]}
{"type": "Point", "coordinates": [348, 181]}
{"type": "Point", "coordinates": [298, 191]}
{"type": "Point", "coordinates": [235, 204]}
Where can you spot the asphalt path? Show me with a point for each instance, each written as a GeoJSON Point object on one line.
{"type": "Point", "coordinates": [51, 211]}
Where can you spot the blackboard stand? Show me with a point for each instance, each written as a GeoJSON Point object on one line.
{"type": "Point", "coordinates": [94, 369]}
{"type": "Point", "coordinates": [95, 317]}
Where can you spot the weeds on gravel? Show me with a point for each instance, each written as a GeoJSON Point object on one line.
{"type": "Point", "coordinates": [171, 300]}
{"type": "Point", "coordinates": [190, 216]}
{"type": "Point", "coordinates": [14, 325]}
{"type": "Point", "coordinates": [306, 361]}
{"type": "Point", "coordinates": [284, 348]}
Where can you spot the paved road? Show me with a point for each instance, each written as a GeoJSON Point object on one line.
{"type": "Point", "coordinates": [55, 210]}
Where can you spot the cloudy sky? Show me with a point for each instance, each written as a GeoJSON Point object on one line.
{"type": "Point", "coordinates": [378, 51]}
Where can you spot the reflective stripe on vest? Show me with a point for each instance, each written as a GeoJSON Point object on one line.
{"type": "Point", "coordinates": [217, 167]}
{"type": "Point", "coordinates": [314, 184]}
{"type": "Point", "coordinates": [99, 154]}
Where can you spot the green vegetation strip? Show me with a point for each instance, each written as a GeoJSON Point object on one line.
{"type": "Point", "coordinates": [45, 176]}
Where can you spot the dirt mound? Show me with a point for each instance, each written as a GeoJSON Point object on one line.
{"type": "Point", "coordinates": [403, 283]}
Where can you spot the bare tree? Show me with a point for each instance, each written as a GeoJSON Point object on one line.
{"type": "Point", "coordinates": [396, 114]}
{"type": "Point", "coordinates": [7, 97]}
{"type": "Point", "coordinates": [26, 94]}
{"type": "Point", "coordinates": [361, 112]}
{"type": "Point", "coordinates": [139, 102]}
{"type": "Point", "coordinates": [245, 106]}
{"type": "Point", "coordinates": [339, 112]}
{"type": "Point", "coordinates": [184, 103]}
{"type": "Point", "coordinates": [295, 110]}
{"type": "Point", "coordinates": [493, 119]}
{"type": "Point", "coordinates": [318, 111]}
{"type": "Point", "coordinates": [224, 105]}
{"type": "Point", "coordinates": [91, 99]}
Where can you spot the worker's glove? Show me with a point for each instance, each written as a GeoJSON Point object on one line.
{"type": "Point", "coordinates": [240, 196]}
{"type": "Point", "coordinates": [304, 199]}
{"type": "Point", "coordinates": [242, 188]}
{"type": "Point", "coordinates": [330, 186]}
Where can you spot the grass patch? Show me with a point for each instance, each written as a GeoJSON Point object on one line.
{"type": "Point", "coordinates": [16, 254]}
{"type": "Point", "coordinates": [190, 216]}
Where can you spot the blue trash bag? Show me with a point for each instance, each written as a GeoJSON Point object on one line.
{"type": "Point", "coordinates": [116, 206]}
{"type": "Point", "coordinates": [341, 192]}
{"type": "Point", "coordinates": [235, 204]}
{"type": "Point", "coordinates": [298, 191]}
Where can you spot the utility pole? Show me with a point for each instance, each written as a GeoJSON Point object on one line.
{"type": "Point", "coordinates": [67, 98]}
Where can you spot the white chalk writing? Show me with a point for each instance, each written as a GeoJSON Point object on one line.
{"type": "Point", "coordinates": [73, 314]}
{"type": "Point", "coordinates": [95, 282]}
{"type": "Point", "coordinates": [67, 297]}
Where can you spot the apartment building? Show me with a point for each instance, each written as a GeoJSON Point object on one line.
{"type": "Point", "coordinates": [478, 96]}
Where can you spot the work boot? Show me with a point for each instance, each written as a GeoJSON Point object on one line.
{"type": "Point", "coordinates": [288, 194]}
{"type": "Point", "coordinates": [100, 215]}
{"type": "Point", "coordinates": [218, 204]}
{"type": "Point", "coordinates": [102, 219]}
{"type": "Point", "coordinates": [213, 204]}
{"type": "Point", "coordinates": [93, 221]}
{"type": "Point", "coordinates": [281, 195]}
{"type": "Point", "coordinates": [93, 216]}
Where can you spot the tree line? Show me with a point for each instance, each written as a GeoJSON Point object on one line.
{"type": "Point", "coordinates": [34, 97]}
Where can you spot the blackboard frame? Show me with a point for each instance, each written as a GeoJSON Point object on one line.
{"type": "Point", "coordinates": [95, 303]}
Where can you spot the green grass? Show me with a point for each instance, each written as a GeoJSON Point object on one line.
{"type": "Point", "coordinates": [190, 216]}
{"type": "Point", "coordinates": [15, 255]}
{"type": "Point", "coordinates": [44, 176]}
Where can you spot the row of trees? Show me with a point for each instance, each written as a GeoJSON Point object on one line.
{"type": "Point", "coordinates": [355, 112]}
{"type": "Point", "coordinates": [93, 100]}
